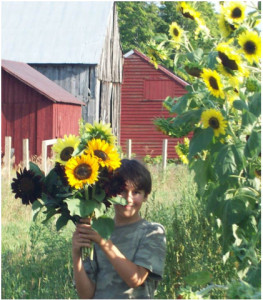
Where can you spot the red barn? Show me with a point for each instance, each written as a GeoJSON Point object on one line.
{"type": "Point", "coordinates": [144, 89]}
{"type": "Point", "coordinates": [35, 108]}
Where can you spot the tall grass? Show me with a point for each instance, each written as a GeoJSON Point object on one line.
{"type": "Point", "coordinates": [36, 260]}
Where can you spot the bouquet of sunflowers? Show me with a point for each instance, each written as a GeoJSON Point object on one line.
{"type": "Point", "coordinates": [82, 184]}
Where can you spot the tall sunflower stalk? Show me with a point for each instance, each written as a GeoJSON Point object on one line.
{"type": "Point", "coordinates": [82, 184]}
{"type": "Point", "coordinates": [222, 111]}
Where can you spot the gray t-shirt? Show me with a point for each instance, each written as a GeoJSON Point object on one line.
{"type": "Point", "coordinates": [144, 244]}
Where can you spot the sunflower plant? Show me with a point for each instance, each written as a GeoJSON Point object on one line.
{"type": "Point", "coordinates": [221, 110]}
{"type": "Point", "coordinates": [83, 182]}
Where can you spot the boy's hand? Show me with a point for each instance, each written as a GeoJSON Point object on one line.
{"type": "Point", "coordinates": [86, 232]}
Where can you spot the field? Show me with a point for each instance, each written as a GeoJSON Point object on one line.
{"type": "Point", "coordinates": [36, 260]}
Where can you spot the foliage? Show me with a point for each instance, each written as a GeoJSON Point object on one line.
{"type": "Point", "coordinates": [222, 109]}
{"type": "Point", "coordinates": [81, 183]}
{"type": "Point", "coordinates": [142, 23]}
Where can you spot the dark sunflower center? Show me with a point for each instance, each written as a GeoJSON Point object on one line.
{"type": "Point", "coordinates": [229, 63]}
{"type": "Point", "coordinates": [236, 13]}
{"type": "Point", "coordinates": [213, 83]}
{"type": "Point", "coordinates": [101, 154]}
{"type": "Point", "coordinates": [65, 154]}
{"type": "Point", "coordinates": [82, 172]}
{"type": "Point", "coordinates": [175, 32]}
{"type": "Point", "coordinates": [26, 185]}
{"type": "Point", "coordinates": [250, 47]}
{"type": "Point", "coordinates": [213, 122]}
{"type": "Point", "coordinates": [188, 15]}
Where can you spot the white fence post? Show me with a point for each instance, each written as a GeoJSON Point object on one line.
{"type": "Point", "coordinates": [8, 143]}
{"type": "Point", "coordinates": [165, 146]}
{"type": "Point", "coordinates": [26, 153]}
{"type": "Point", "coordinates": [44, 153]}
{"type": "Point", "coordinates": [129, 148]}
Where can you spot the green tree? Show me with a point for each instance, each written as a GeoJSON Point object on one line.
{"type": "Point", "coordinates": [137, 23]}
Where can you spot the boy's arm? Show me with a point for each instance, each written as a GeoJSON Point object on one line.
{"type": "Point", "coordinates": [85, 287]}
{"type": "Point", "coordinates": [131, 273]}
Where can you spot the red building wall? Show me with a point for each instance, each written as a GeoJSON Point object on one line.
{"type": "Point", "coordinates": [143, 90]}
{"type": "Point", "coordinates": [28, 114]}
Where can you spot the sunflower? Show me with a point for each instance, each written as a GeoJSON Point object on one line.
{"type": "Point", "coordinates": [106, 154]}
{"type": "Point", "coordinates": [27, 186]}
{"type": "Point", "coordinates": [250, 43]}
{"type": "Point", "coordinates": [176, 32]}
{"type": "Point", "coordinates": [82, 170]}
{"type": "Point", "coordinates": [214, 119]}
{"type": "Point", "coordinates": [225, 28]}
{"type": "Point", "coordinates": [213, 82]}
{"type": "Point", "coordinates": [100, 131]}
{"type": "Point", "coordinates": [64, 148]}
{"type": "Point", "coordinates": [182, 150]}
{"type": "Point", "coordinates": [156, 53]}
{"type": "Point", "coordinates": [234, 12]}
{"type": "Point", "coordinates": [187, 11]}
{"type": "Point", "coordinates": [228, 57]}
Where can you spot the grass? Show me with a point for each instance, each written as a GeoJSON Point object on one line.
{"type": "Point", "coordinates": [36, 260]}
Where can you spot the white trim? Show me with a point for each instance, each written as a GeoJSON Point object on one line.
{"type": "Point", "coordinates": [128, 54]}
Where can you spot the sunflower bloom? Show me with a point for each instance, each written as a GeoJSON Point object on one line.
{"type": "Point", "coordinates": [225, 28]}
{"type": "Point", "coordinates": [187, 11]}
{"type": "Point", "coordinates": [250, 43]}
{"type": "Point", "coordinates": [234, 12]}
{"type": "Point", "coordinates": [213, 82]}
{"type": "Point", "coordinates": [214, 119]}
{"type": "Point", "coordinates": [81, 170]}
{"type": "Point", "coordinates": [106, 154]}
{"type": "Point", "coordinates": [228, 57]}
{"type": "Point", "coordinates": [100, 131]}
{"type": "Point", "coordinates": [27, 186]}
{"type": "Point", "coordinates": [64, 148]}
{"type": "Point", "coordinates": [176, 32]}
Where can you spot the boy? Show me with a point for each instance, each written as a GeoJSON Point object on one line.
{"type": "Point", "coordinates": [130, 264]}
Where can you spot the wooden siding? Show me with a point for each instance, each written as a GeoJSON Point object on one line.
{"type": "Point", "coordinates": [27, 114]}
{"type": "Point", "coordinates": [143, 91]}
{"type": "Point", "coordinates": [77, 79]}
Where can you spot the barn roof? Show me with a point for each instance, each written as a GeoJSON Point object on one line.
{"type": "Point", "coordinates": [54, 31]}
{"type": "Point", "coordinates": [161, 68]}
{"type": "Point", "coordinates": [39, 82]}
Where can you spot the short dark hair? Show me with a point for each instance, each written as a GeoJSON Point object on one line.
{"type": "Point", "coordinates": [135, 172]}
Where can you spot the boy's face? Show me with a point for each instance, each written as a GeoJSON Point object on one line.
{"type": "Point", "coordinates": [130, 212]}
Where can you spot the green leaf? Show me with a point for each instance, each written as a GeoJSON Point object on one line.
{"type": "Point", "coordinates": [240, 105]}
{"type": "Point", "coordinates": [200, 168]}
{"type": "Point", "coordinates": [255, 104]}
{"type": "Point", "coordinates": [49, 213]}
{"type": "Point", "coordinates": [99, 195]}
{"type": "Point", "coordinates": [181, 105]}
{"type": "Point", "coordinates": [198, 278]}
{"type": "Point", "coordinates": [61, 222]}
{"type": "Point", "coordinates": [82, 208]}
{"type": "Point", "coordinates": [248, 120]}
{"type": "Point", "coordinates": [253, 145]}
{"type": "Point", "coordinates": [212, 60]}
{"type": "Point", "coordinates": [118, 200]}
{"type": "Point", "coordinates": [235, 211]}
{"type": "Point", "coordinates": [104, 226]}
{"type": "Point", "coordinates": [35, 168]}
{"type": "Point", "coordinates": [200, 140]}
{"type": "Point", "coordinates": [36, 207]}
{"type": "Point", "coordinates": [191, 116]}
{"type": "Point", "coordinates": [225, 163]}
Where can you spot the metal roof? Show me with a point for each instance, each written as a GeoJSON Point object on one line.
{"type": "Point", "coordinates": [54, 31]}
{"type": "Point", "coordinates": [161, 68]}
{"type": "Point", "coordinates": [39, 82]}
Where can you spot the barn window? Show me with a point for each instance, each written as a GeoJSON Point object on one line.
{"type": "Point", "coordinates": [158, 89]}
